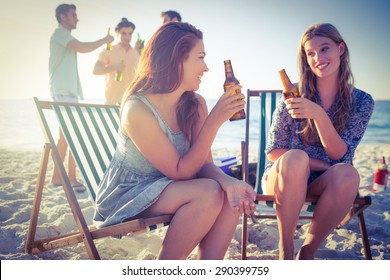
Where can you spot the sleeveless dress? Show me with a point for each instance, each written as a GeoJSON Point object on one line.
{"type": "Point", "coordinates": [131, 184]}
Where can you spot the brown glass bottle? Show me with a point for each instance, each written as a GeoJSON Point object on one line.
{"type": "Point", "coordinates": [229, 82]}
{"type": "Point", "coordinates": [289, 89]}
{"type": "Point", "coordinates": [109, 45]}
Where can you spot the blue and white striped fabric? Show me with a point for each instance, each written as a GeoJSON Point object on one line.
{"type": "Point", "coordinates": [90, 132]}
{"type": "Point", "coordinates": [268, 102]}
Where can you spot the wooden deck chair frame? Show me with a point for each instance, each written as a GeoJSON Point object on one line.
{"type": "Point", "coordinates": [95, 120]}
{"type": "Point", "coordinates": [268, 102]}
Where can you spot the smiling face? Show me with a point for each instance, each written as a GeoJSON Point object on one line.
{"type": "Point", "coordinates": [323, 56]}
{"type": "Point", "coordinates": [194, 67]}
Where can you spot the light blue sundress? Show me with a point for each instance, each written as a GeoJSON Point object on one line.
{"type": "Point", "coordinates": [131, 184]}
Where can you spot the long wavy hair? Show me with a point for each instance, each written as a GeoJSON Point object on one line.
{"type": "Point", "coordinates": [160, 69]}
{"type": "Point", "coordinates": [308, 85]}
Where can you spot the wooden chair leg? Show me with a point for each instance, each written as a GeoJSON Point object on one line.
{"type": "Point", "coordinates": [244, 237]}
{"type": "Point", "coordinates": [76, 210]}
{"type": "Point", "coordinates": [366, 243]}
{"type": "Point", "coordinates": [37, 198]}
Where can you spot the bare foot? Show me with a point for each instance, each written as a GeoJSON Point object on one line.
{"type": "Point", "coordinates": [302, 256]}
{"type": "Point", "coordinates": [77, 186]}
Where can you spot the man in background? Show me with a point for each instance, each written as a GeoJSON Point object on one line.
{"type": "Point", "coordinates": [170, 15]}
{"type": "Point", "coordinates": [119, 64]}
{"type": "Point", "coordinates": [65, 83]}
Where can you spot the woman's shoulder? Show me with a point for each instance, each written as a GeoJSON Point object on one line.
{"type": "Point", "coordinates": [358, 93]}
{"type": "Point", "coordinates": [362, 101]}
{"type": "Point", "coordinates": [135, 105]}
{"type": "Point", "coordinates": [200, 98]}
{"type": "Point", "coordinates": [362, 97]}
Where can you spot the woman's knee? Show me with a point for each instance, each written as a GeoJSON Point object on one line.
{"type": "Point", "coordinates": [294, 163]}
{"type": "Point", "coordinates": [211, 193]}
{"type": "Point", "coordinates": [345, 175]}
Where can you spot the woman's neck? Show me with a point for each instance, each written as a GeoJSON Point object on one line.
{"type": "Point", "coordinates": [327, 88]}
{"type": "Point", "coordinates": [166, 101]}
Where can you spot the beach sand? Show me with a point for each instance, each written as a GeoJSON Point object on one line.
{"type": "Point", "coordinates": [18, 175]}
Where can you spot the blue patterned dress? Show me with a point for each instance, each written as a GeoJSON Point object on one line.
{"type": "Point", "coordinates": [131, 184]}
{"type": "Point", "coordinates": [283, 129]}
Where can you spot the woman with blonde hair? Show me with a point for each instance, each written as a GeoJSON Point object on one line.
{"type": "Point", "coordinates": [163, 163]}
{"type": "Point", "coordinates": [314, 156]}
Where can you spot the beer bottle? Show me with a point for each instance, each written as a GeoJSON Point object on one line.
{"type": "Point", "coordinates": [289, 89]}
{"type": "Point", "coordinates": [109, 45]}
{"type": "Point", "coordinates": [229, 82]}
{"type": "Point", "coordinates": [119, 74]}
{"type": "Point", "coordinates": [142, 42]}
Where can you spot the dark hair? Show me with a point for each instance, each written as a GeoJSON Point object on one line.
{"type": "Point", "coordinates": [160, 69]}
{"type": "Point", "coordinates": [124, 23]}
{"type": "Point", "coordinates": [63, 9]}
{"type": "Point", "coordinates": [307, 82]}
{"type": "Point", "coordinates": [171, 14]}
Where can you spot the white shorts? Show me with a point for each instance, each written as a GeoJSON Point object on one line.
{"type": "Point", "coordinates": [65, 98]}
{"type": "Point", "coordinates": [263, 183]}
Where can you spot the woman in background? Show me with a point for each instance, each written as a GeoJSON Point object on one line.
{"type": "Point", "coordinates": [314, 156]}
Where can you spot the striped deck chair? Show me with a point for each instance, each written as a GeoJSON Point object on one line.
{"type": "Point", "coordinates": [268, 102]}
{"type": "Point", "coordinates": [90, 131]}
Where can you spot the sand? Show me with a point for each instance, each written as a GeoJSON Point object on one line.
{"type": "Point", "coordinates": [18, 175]}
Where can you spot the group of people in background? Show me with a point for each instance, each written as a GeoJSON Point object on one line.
{"type": "Point", "coordinates": [163, 163]}
{"type": "Point", "coordinates": [123, 58]}
{"type": "Point", "coordinates": [65, 85]}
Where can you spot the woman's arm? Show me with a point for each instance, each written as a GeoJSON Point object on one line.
{"type": "Point", "coordinates": [334, 145]}
{"type": "Point", "coordinates": [141, 126]}
{"type": "Point", "coordinates": [363, 106]}
{"type": "Point", "coordinates": [240, 194]}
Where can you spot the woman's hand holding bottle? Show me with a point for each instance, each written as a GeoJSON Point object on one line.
{"type": "Point", "coordinates": [228, 104]}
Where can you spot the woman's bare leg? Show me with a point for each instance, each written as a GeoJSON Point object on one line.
{"type": "Point", "coordinates": [196, 205]}
{"type": "Point", "coordinates": [287, 180]}
{"type": "Point", "coordinates": [337, 188]}
{"type": "Point", "coordinates": [215, 244]}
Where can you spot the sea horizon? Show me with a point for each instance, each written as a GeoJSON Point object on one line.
{"type": "Point", "coordinates": [20, 128]}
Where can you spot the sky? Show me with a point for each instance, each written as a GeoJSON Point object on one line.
{"type": "Point", "coordinates": [259, 36]}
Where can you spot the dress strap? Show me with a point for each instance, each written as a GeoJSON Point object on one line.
{"type": "Point", "coordinates": [160, 120]}
{"type": "Point", "coordinates": [146, 102]}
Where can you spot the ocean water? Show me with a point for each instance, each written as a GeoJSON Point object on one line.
{"type": "Point", "coordinates": [20, 128]}
{"type": "Point", "coordinates": [232, 133]}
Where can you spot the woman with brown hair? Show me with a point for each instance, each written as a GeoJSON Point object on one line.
{"type": "Point", "coordinates": [163, 162]}
{"type": "Point", "coordinates": [314, 156]}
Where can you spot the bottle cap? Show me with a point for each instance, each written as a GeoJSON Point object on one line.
{"type": "Point", "coordinates": [382, 166]}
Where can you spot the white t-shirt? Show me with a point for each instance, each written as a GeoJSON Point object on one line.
{"type": "Point", "coordinates": [64, 76]}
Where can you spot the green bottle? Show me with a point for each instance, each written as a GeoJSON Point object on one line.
{"type": "Point", "coordinates": [139, 39]}
{"type": "Point", "coordinates": [119, 74]}
{"type": "Point", "coordinates": [109, 45]}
